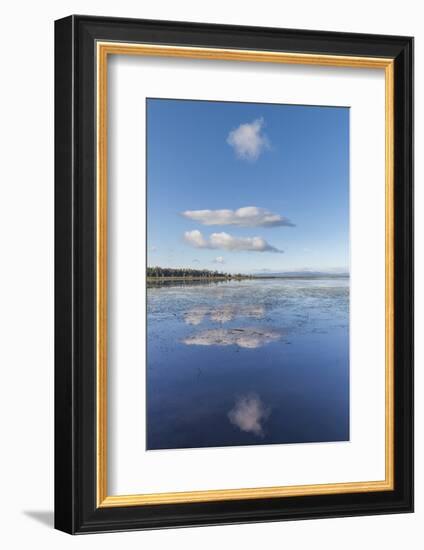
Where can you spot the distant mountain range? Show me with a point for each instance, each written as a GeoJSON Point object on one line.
{"type": "Point", "coordinates": [300, 273]}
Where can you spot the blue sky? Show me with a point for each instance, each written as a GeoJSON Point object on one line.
{"type": "Point", "coordinates": [243, 187]}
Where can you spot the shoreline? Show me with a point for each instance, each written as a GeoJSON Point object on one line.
{"type": "Point", "coordinates": [179, 278]}
{"type": "Point", "coordinates": [244, 278]}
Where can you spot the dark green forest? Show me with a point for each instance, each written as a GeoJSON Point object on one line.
{"type": "Point", "coordinates": [189, 273]}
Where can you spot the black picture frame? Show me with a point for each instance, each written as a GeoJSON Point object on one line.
{"type": "Point", "coordinates": [76, 510]}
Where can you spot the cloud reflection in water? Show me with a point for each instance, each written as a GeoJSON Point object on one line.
{"type": "Point", "coordinates": [249, 413]}
{"type": "Point", "coordinates": [250, 338]}
{"type": "Point", "coordinates": [223, 314]}
{"type": "Point", "coordinates": [196, 315]}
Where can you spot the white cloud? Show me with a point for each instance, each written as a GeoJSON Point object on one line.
{"type": "Point", "coordinates": [248, 414]}
{"type": "Point", "coordinates": [248, 338]}
{"type": "Point", "coordinates": [196, 239]}
{"type": "Point", "coordinates": [248, 140]}
{"type": "Point", "coordinates": [224, 241]}
{"type": "Point", "coordinates": [247, 216]}
{"type": "Point", "coordinates": [219, 260]}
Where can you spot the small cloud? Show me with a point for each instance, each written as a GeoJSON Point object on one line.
{"type": "Point", "coordinates": [247, 216]}
{"type": "Point", "coordinates": [248, 140]}
{"type": "Point", "coordinates": [219, 260]}
{"type": "Point", "coordinates": [153, 249]}
{"type": "Point", "coordinates": [195, 261]}
{"type": "Point", "coordinates": [248, 338]}
{"type": "Point", "coordinates": [196, 239]}
{"type": "Point", "coordinates": [224, 241]}
{"type": "Point", "coordinates": [248, 414]}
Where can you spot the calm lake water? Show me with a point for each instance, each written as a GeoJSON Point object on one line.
{"type": "Point", "coordinates": [252, 362]}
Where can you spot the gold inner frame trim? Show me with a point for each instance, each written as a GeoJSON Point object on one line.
{"type": "Point", "coordinates": [104, 49]}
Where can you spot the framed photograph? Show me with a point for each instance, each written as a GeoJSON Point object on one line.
{"type": "Point", "coordinates": [234, 274]}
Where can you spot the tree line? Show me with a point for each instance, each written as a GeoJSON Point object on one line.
{"type": "Point", "coordinates": [187, 272]}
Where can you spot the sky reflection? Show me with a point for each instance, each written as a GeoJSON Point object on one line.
{"type": "Point", "coordinates": [278, 379]}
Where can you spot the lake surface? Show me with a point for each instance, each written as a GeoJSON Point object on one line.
{"type": "Point", "coordinates": [252, 362]}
